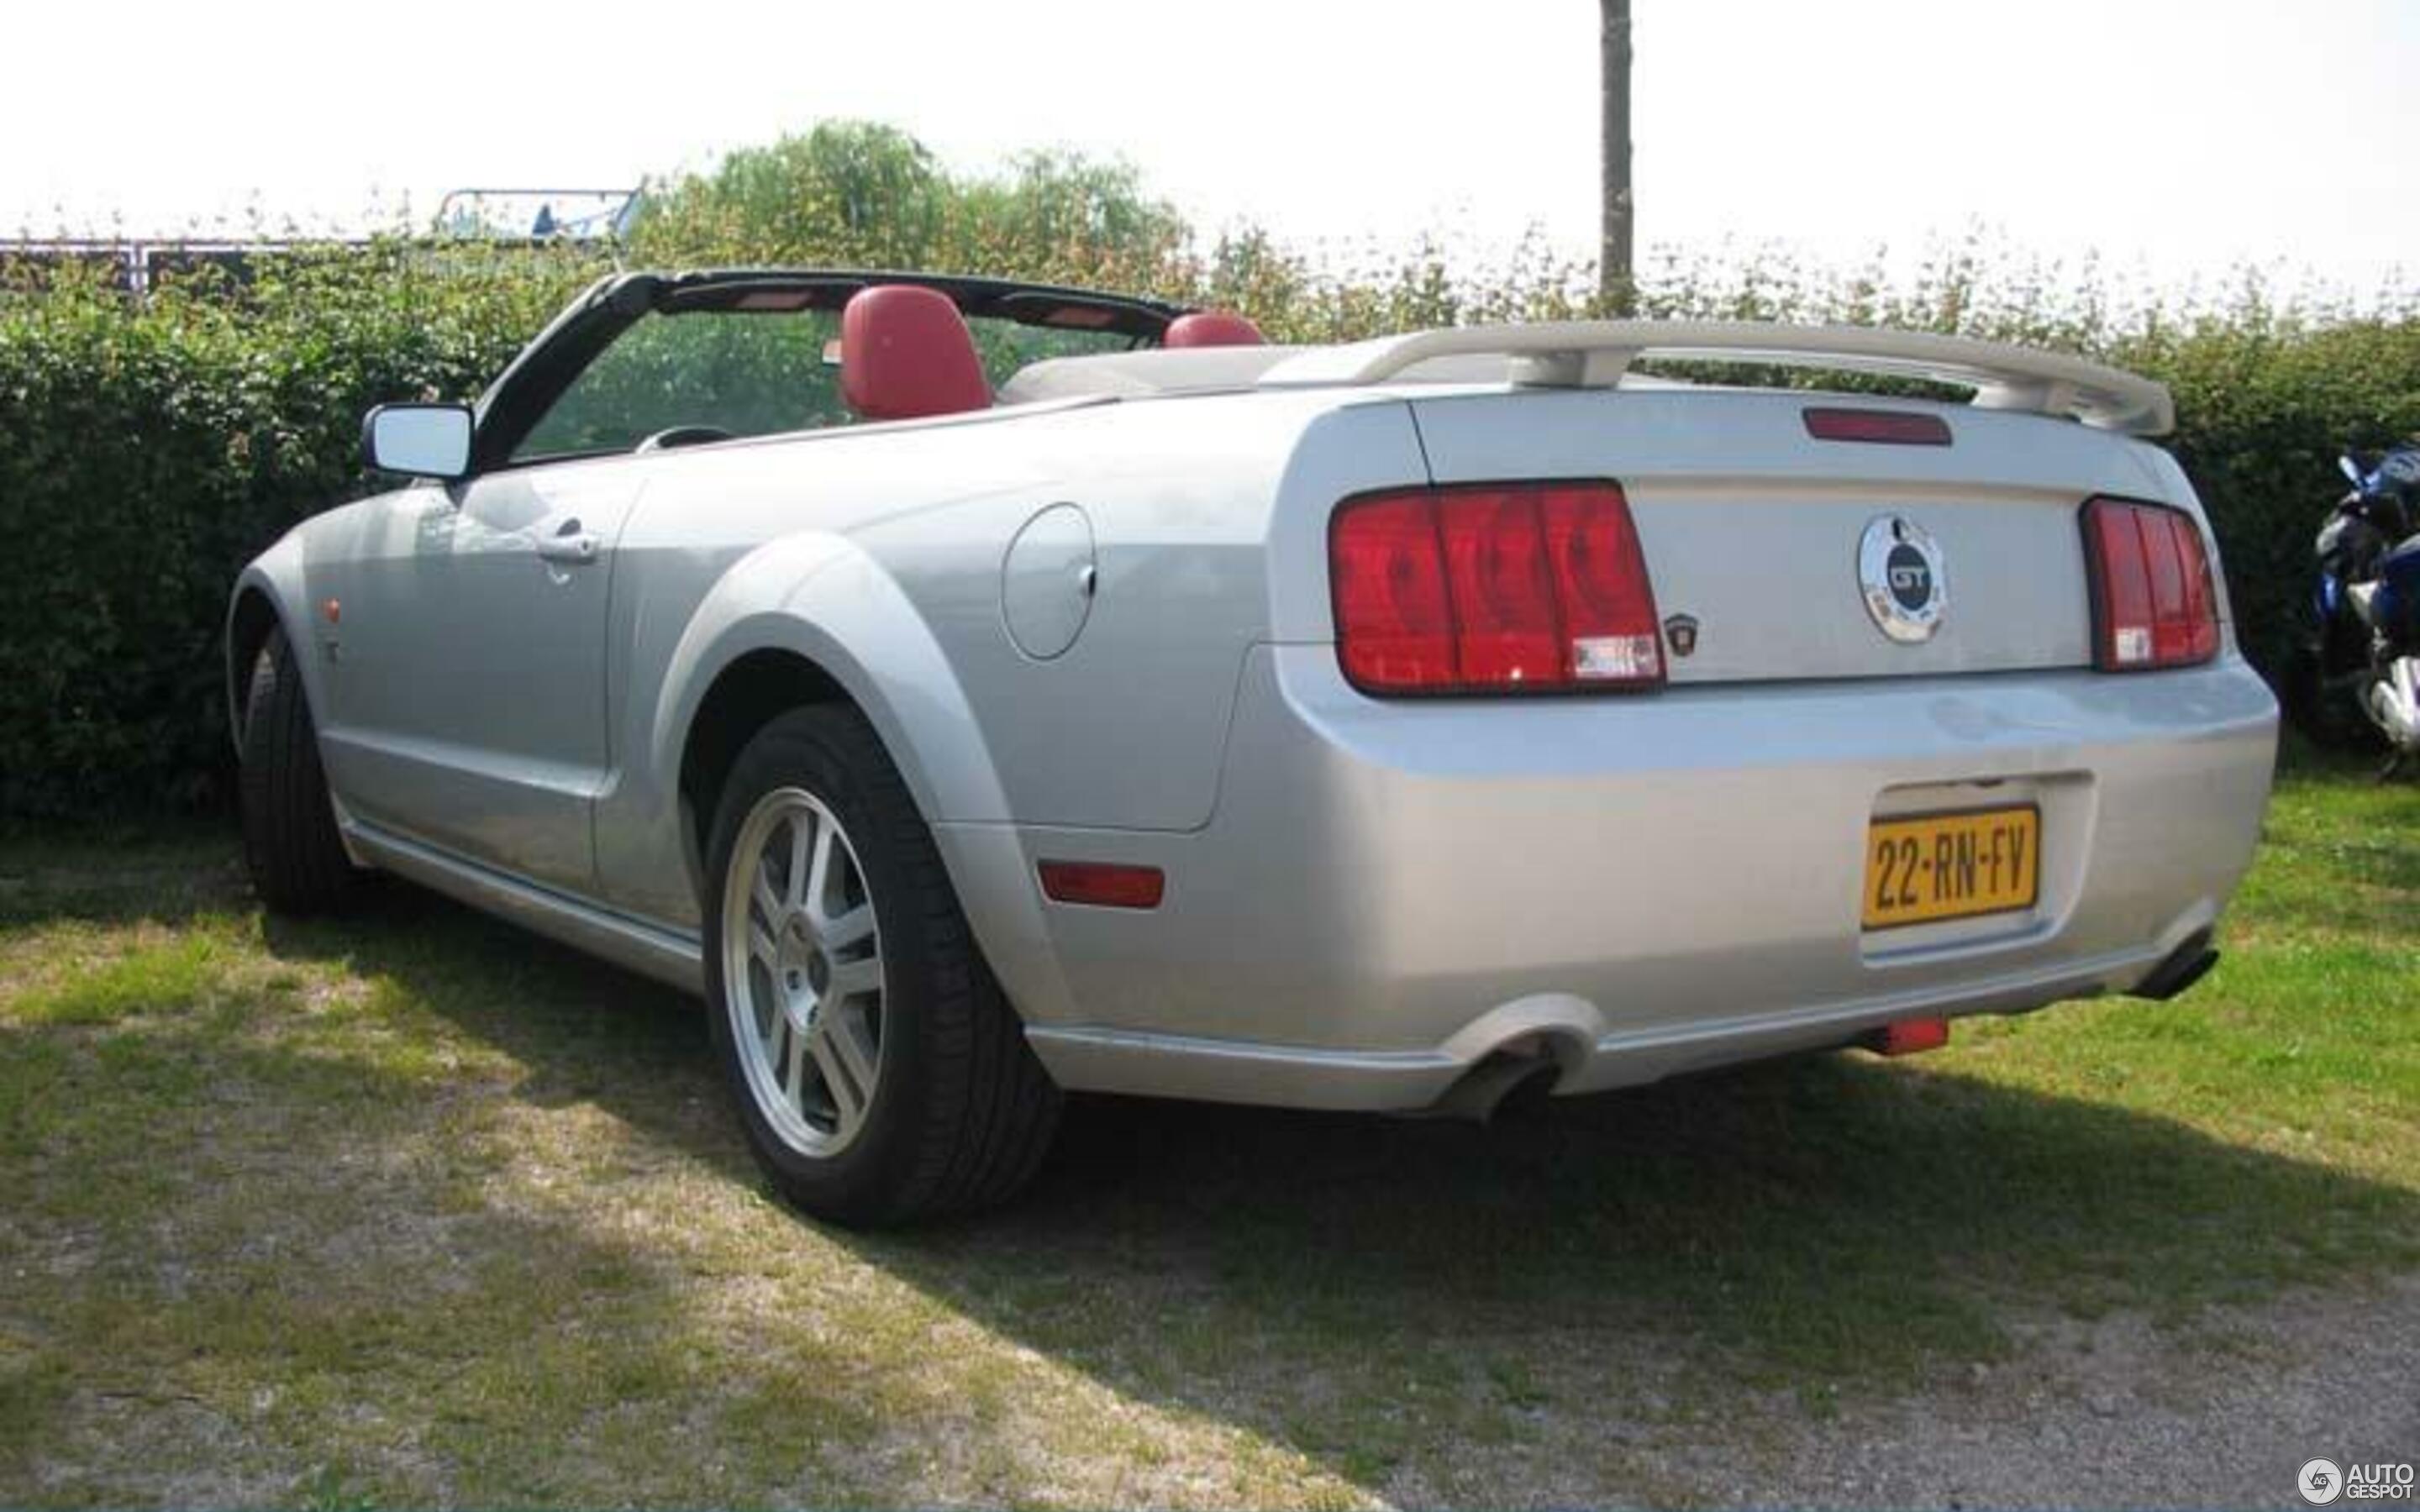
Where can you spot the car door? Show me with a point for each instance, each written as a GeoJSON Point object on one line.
{"type": "Point", "coordinates": [464, 623]}
{"type": "Point", "coordinates": [464, 638]}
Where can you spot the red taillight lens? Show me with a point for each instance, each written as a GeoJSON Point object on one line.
{"type": "Point", "coordinates": [2152, 602]}
{"type": "Point", "coordinates": [1499, 588]}
{"type": "Point", "coordinates": [1389, 580]}
{"type": "Point", "coordinates": [1609, 624]}
{"type": "Point", "coordinates": [1507, 632]}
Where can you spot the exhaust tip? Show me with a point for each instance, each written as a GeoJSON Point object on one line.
{"type": "Point", "coordinates": [1486, 1088]}
{"type": "Point", "coordinates": [2187, 964]}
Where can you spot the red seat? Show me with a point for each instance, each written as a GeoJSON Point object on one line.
{"type": "Point", "coordinates": [905, 353]}
{"type": "Point", "coordinates": [1211, 327]}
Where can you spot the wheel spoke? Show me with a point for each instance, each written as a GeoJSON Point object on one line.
{"type": "Point", "coordinates": [841, 931]}
{"type": "Point", "coordinates": [802, 834]}
{"type": "Point", "coordinates": [793, 1070]}
{"type": "Point", "coordinates": [845, 1030]}
{"type": "Point", "coordinates": [847, 1097]}
{"type": "Point", "coordinates": [770, 1041]}
{"type": "Point", "coordinates": [853, 978]}
{"type": "Point", "coordinates": [769, 903]}
{"type": "Point", "coordinates": [760, 945]}
{"type": "Point", "coordinates": [819, 874]}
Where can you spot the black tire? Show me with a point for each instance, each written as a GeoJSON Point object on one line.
{"type": "Point", "coordinates": [290, 846]}
{"type": "Point", "coordinates": [2328, 717]}
{"type": "Point", "coordinates": [962, 1112]}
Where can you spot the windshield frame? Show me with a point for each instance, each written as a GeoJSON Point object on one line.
{"type": "Point", "coordinates": [528, 388]}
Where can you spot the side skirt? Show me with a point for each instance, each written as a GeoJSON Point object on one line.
{"type": "Point", "coordinates": [669, 957]}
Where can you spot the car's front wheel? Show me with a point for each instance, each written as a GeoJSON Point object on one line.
{"type": "Point", "coordinates": [290, 846]}
{"type": "Point", "coordinates": [878, 1069]}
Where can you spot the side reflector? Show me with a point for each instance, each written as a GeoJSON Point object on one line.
{"type": "Point", "coordinates": [1493, 588]}
{"type": "Point", "coordinates": [1103, 885]}
{"type": "Point", "coordinates": [2153, 601]}
{"type": "Point", "coordinates": [1909, 1036]}
{"type": "Point", "coordinates": [1891, 427]}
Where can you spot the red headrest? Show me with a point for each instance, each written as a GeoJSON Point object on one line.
{"type": "Point", "coordinates": [905, 352]}
{"type": "Point", "coordinates": [1211, 327]}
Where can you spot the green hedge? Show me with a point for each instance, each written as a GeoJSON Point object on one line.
{"type": "Point", "coordinates": [148, 447]}
{"type": "Point", "coordinates": [2264, 410]}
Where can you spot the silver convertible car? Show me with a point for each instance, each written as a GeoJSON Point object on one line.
{"type": "Point", "coordinates": [980, 691]}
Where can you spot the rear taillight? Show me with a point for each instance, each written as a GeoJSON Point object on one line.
{"type": "Point", "coordinates": [1493, 588]}
{"type": "Point", "coordinates": [2152, 602]}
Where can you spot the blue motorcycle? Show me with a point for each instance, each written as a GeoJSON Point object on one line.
{"type": "Point", "coordinates": [2357, 675]}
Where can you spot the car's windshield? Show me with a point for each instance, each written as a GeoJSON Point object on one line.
{"type": "Point", "coordinates": [730, 372]}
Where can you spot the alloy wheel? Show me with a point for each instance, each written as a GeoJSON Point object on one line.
{"type": "Point", "coordinates": [802, 973]}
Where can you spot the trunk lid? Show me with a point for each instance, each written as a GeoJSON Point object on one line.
{"type": "Point", "coordinates": [1752, 528]}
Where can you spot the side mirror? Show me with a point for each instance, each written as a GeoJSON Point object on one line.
{"type": "Point", "coordinates": [421, 440]}
{"type": "Point", "coordinates": [2350, 468]}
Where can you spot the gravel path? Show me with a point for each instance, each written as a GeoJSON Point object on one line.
{"type": "Point", "coordinates": [2111, 1413]}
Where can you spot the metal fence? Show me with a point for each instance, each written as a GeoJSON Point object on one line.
{"type": "Point", "coordinates": [504, 219]}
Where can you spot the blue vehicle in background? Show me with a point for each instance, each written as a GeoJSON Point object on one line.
{"type": "Point", "coordinates": [2357, 677]}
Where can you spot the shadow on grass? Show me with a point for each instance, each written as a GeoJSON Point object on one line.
{"type": "Point", "coordinates": [1825, 1217]}
{"type": "Point", "coordinates": [1369, 1292]}
{"type": "Point", "coordinates": [1317, 1280]}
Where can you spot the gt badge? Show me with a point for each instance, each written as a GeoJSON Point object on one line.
{"type": "Point", "coordinates": [1906, 585]}
{"type": "Point", "coordinates": [1680, 630]}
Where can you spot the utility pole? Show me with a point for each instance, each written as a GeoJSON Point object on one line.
{"type": "Point", "coordinates": [1614, 259]}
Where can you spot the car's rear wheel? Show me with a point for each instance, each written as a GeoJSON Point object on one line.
{"type": "Point", "coordinates": [2331, 714]}
{"type": "Point", "coordinates": [880, 1073]}
{"type": "Point", "coordinates": [290, 846]}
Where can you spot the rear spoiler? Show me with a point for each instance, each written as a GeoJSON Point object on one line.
{"type": "Point", "coordinates": [1591, 354]}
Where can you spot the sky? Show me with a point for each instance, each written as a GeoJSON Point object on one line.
{"type": "Point", "coordinates": [2176, 139]}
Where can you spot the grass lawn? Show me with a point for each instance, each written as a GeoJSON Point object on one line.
{"type": "Point", "coordinates": [410, 1208]}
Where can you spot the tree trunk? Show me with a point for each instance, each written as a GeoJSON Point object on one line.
{"type": "Point", "coordinates": [1614, 259]}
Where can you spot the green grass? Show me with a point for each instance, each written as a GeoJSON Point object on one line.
{"type": "Point", "coordinates": [412, 1208]}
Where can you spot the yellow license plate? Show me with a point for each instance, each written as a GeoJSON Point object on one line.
{"type": "Point", "coordinates": [1930, 867]}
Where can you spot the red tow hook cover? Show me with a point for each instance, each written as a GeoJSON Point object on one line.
{"type": "Point", "coordinates": [1909, 1036]}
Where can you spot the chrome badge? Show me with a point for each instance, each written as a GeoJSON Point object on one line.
{"type": "Point", "coordinates": [1906, 585]}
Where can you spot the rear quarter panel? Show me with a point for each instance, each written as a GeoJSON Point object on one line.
{"type": "Point", "coordinates": [878, 551]}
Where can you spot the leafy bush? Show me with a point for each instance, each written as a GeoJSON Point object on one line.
{"type": "Point", "coordinates": [2264, 405]}
{"type": "Point", "coordinates": [2268, 389]}
{"type": "Point", "coordinates": [148, 447]}
{"type": "Point", "coordinates": [854, 194]}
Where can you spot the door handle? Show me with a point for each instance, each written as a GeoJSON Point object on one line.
{"type": "Point", "coordinates": [571, 545]}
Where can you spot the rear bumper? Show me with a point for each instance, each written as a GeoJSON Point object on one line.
{"type": "Point", "coordinates": [1389, 895]}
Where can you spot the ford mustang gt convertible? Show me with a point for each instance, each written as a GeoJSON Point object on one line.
{"type": "Point", "coordinates": [980, 691]}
